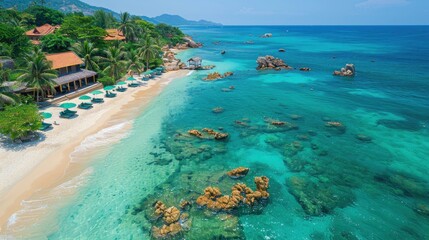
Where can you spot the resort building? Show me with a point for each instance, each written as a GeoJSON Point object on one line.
{"type": "Point", "coordinates": [38, 32]}
{"type": "Point", "coordinates": [114, 35]}
{"type": "Point", "coordinates": [70, 75]}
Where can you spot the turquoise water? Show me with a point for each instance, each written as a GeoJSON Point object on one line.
{"type": "Point", "coordinates": [324, 182]}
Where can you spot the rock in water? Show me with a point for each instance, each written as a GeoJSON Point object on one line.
{"type": "Point", "coordinates": [270, 62]}
{"type": "Point", "coordinates": [282, 50]}
{"type": "Point", "coordinates": [238, 172]}
{"type": "Point", "coordinates": [347, 71]}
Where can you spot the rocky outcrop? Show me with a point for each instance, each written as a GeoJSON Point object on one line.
{"type": "Point", "coordinates": [267, 35]}
{"type": "Point", "coordinates": [174, 221]}
{"type": "Point", "coordinates": [270, 62]}
{"type": "Point", "coordinates": [240, 193]}
{"type": "Point", "coordinates": [188, 43]}
{"type": "Point", "coordinates": [305, 69]}
{"type": "Point", "coordinates": [216, 135]}
{"type": "Point", "coordinates": [171, 63]}
{"type": "Point", "coordinates": [238, 172]}
{"type": "Point", "coordinates": [347, 71]}
{"type": "Point", "coordinates": [208, 134]}
{"type": "Point", "coordinates": [216, 76]}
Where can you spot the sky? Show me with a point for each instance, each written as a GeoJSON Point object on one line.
{"type": "Point", "coordinates": [282, 12]}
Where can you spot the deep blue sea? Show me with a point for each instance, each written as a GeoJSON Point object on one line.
{"type": "Point", "coordinates": [325, 182]}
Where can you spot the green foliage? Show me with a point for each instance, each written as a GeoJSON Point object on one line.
{"type": "Point", "coordinates": [103, 19]}
{"type": "Point", "coordinates": [107, 81]}
{"type": "Point", "coordinates": [45, 15]}
{"type": "Point", "coordinates": [128, 26]}
{"type": "Point", "coordinates": [149, 49]}
{"type": "Point", "coordinates": [79, 27]}
{"type": "Point", "coordinates": [88, 52]}
{"type": "Point", "coordinates": [172, 35]}
{"type": "Point", "coordinates": [114, 62]}
{"type": "Point", "coordinates": [53, 43]}
{"type": "Point", "coordinates": [19, 120]}
{"type": "Point", "coordinates": [15, 38]}
{"type": "Point", "coordinates": [38, 73]}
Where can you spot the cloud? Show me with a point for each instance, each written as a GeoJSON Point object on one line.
{"type": "Point", "coordinates": [381, 3]}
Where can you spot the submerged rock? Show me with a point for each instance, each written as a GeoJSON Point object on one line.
{"type": "Point", "coordinates": [218, 110]}
{"type": "Point", "coordinates": [282, 50]}
{"type": "Point", "coordinates": [318, 199]}
{"type": "Point", "coordinates": [422, 209]}
{"type": "Point", "coordinates": [216, 76]}
{"type": "Point", "coordinates": [363, 138]}
{"type": "Point", "coordinates": [347, 71]}
{"type": "Point", "coordinates": [305, 69]}
{"type": "Point", "coordinates": [336, 125]}
{"type": "Point", "coordinates": [270, 62]}
{"type": "Point", "coordinates": [238, 172]}
{"type": "Point", "coordinates": [170, 217]}
{"type": "Point", "coordinates": [240, 193]}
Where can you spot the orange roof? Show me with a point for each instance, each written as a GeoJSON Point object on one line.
{"type": "Point", "coordinates": [65, 59]}
{"type": "Point", "coordinates": [42, 30]}
{"type": "Point", "coordinates": [114, 34]}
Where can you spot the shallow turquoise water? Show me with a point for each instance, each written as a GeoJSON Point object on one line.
{"type": "Point", "coordinates": [357, 190]}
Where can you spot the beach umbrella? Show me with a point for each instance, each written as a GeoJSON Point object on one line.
{"type": "Point", "coordinates": [68, 105]}
{"type": "Point", "coordinates": [85, 97]}
{"type": "Point", "coordinates": [131, 79]}
{"type": "Point", "coordinates": [46, 115]}
{"type": "Point", "coordinates": [109, 88]}
{"type": "Point", "coordinates": [121, 83]}
{"type": "Point", "coordinates": [96, 92]}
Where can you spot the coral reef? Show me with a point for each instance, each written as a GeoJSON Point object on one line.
{"type": "Point", "coordinates": [238, 172]}
{"type": "Point", "coordinates": [170, 216]}
{"type": "Point", "coordinates": [209, 134]}
{"type": "Point", "coordinates": [318, 199]}
{"type": "Point", "coordinates": [240, 193]}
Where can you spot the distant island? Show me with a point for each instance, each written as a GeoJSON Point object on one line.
{"type": "Point", "coordinates": [68, 6]}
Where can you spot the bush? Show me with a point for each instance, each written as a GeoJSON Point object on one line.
{"type": "Point", "coordinates": [19, 120]}
{"type": "Point", "coordinates": [107, 81]}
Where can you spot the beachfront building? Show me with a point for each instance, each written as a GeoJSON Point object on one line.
{"type": "Point", "coordinates": [114, 35]}
{"type": "Point", "coordinates": [37, 33]}
{"type": "Point", "coordinates": [71, 76]}
{"type": "Point", "coordinates": [195, 62]}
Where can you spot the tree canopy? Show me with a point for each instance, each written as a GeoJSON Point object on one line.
{"type": "Point", "coordinates": [18, 121]}
{"type": "Point", "coordinates": [44, 15]}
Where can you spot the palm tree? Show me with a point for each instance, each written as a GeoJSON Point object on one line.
{"type": "Point", "coordinates": [149, 49]}
{"type": "Point", "coordinates": [114, 62]}
{"type": "Point", "coordinates": [127, 26]}
{"type": "Point", "coordinates": [6, 95]}
{"type": "Point", "coordinates": [38, 73]}
{"type": "Point", "coordinates": [134, 61]}
{"type": "Point", "coordinates": [88, 52]}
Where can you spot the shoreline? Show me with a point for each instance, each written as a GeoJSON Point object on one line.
{"type": "Point", "coordinates": [39, 166]}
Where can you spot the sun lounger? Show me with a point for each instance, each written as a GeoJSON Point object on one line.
{"type": "Point", "coordinates": [110, 95]}
{"type": "Point", "coordinates": [121, 89]}
{"type": "Point", "coordinates": [133, 85]}
{"type": "Point", "coordinates": [85, 105]}
{"type": "Point", "coordinates": [65, 114]}
{"type": "Point", "coordinates": [70, 111]}
{"type": "Point", "coordinates": [97, 100]}
{"type": "Point", "coordinates": [45, 126]}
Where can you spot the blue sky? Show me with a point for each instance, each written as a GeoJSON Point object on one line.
{"type": "Point", "coordinates": [282, 12]}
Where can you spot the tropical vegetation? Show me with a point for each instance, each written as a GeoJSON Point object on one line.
{"type": "Point", "coordinates": [80, 33]}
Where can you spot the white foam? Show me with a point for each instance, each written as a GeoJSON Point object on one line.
{"type": "Point", "coordinates": [190, 73]}
{"type": "Point", "coordinates": [33, 208]}
{"type": "Point", "coordinates": [103, 138]}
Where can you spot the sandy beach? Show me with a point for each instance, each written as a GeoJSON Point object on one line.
{"type": "Point", "coordinates": [26, 169]}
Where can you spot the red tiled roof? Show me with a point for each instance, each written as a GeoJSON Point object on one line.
{"type": "Point", "coordinates": [65, 59]}
{"type": "Point", "coordinates": [114, 34]}
{"type": "Point", "coordinates": [42, 30]}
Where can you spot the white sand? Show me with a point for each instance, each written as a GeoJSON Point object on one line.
{"type": "Point", "coordinates": [27, 168]}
